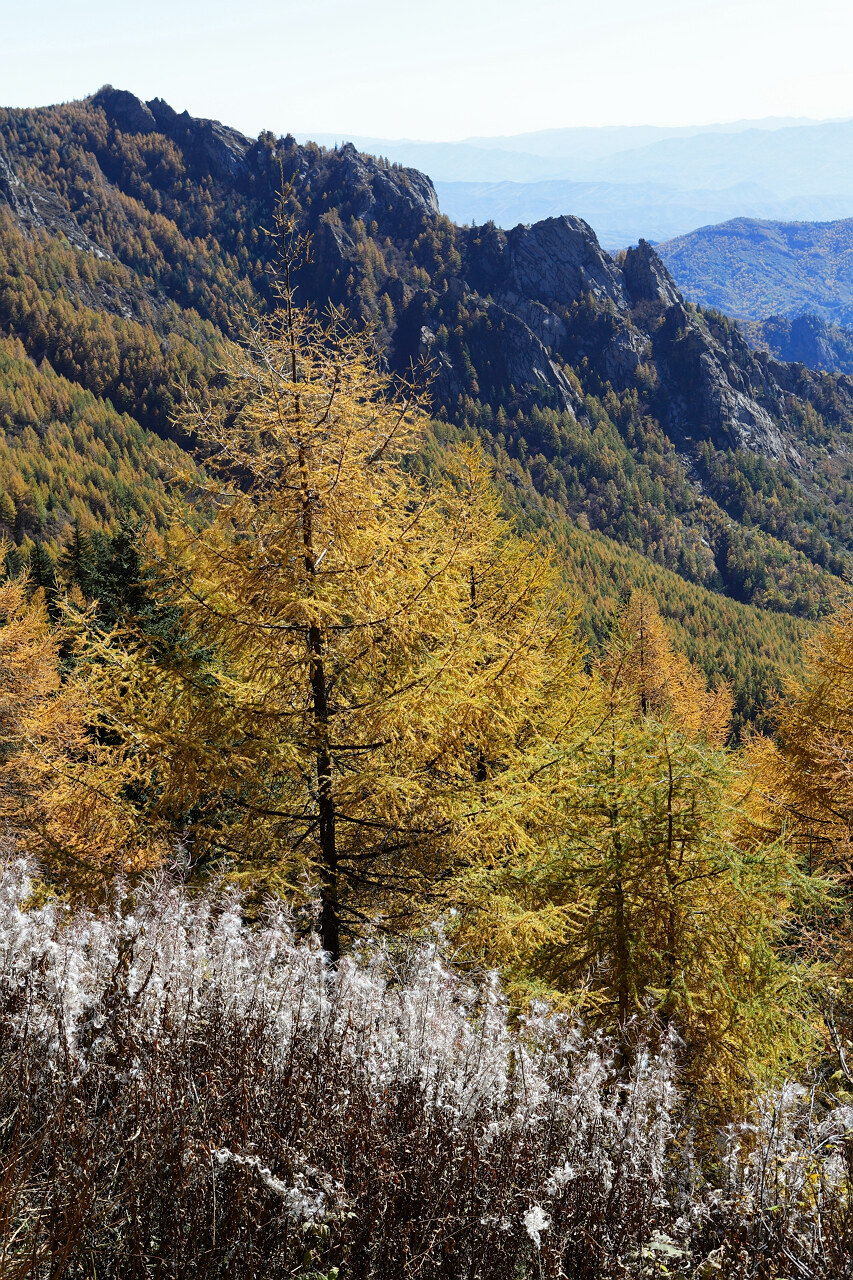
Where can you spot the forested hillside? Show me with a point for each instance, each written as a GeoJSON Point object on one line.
{"type": "Point", "coordinates": [67, 456]}
{"type": "Point", "coordinates": [790, 284]}
{"type": "Point", "coordinates": [133, 238]}
{"type": "Point", "coordinates": [752, 269]}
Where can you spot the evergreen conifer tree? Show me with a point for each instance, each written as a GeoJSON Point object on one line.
{"type": "Point", "coordinates": [77, 562]}
{"type": "Point", "coordinates": [41, 569]}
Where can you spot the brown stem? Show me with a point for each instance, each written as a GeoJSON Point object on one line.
{"type": "Point", "coordinates": [330, 931]}
{"type": "Point", "coordinates": [330, 934]}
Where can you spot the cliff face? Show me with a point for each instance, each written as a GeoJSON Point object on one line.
{"type": "Point", "coordinates": [530, 283]}
{"type": "Point", "coordinates": [587, 374]}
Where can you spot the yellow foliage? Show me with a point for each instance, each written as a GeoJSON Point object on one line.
{"type": "Point", "coordinates": [647, 893]}
{"type": "Point", "coordinates": [811, 780]}
{"type": "Point", "coordinates": [377, 677]}
{"type": "Point", "coordinates": [57, 800]}
{"type": "Point", "coordinates": [643, 668]}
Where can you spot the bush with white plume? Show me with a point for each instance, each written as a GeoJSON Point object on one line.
{"type": "Point", "coordinates": [184, 1094]}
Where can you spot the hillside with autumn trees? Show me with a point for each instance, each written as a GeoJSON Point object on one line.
{"type": "Point", "coordinates": [426, 672]}
{"type": "Point", "coordinates": [132, 239]}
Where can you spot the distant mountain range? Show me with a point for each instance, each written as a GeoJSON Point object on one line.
{"type": "Point", "coordinates": [623, 213]}
{"type": "Point", "coordinates": [535, 157]}
{"type": "Point", "coordinates": [640, 181]}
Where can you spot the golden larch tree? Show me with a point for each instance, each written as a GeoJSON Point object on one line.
{"type": "Point", "coordinates": [644, 670]}
{"type": "Point", "coordinates": [646, 895]}
{"type": "Point", "coordinates": [375, 674]}
{"type": "Point", "coordinates": [61, 798]}
{"type": "Point", "coordinates": [811, 775]}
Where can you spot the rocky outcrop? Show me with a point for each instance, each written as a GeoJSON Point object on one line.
{"type": "Point", "coordinates": [711, 387]}
{"type": "Point", "coordinates": [209, 145]}
{"type": "Point", "coordinates": [125, 111]}
{"type": "Point", "coordinates": [522, 361]}
{"type": "Point", "coordinates": [377, 192]}
{"type": "Point", "coordinates": [34, 208]}
{"type": "Point", "coordinates": [647, 279]}
{"type": "Point", "coordinates": [522, 305]}
{"type": "Point", "coordinates": [555, 261]}
{"type": "Point", "coordinates": [553, 294]}
{"type": "Point", "coordinates": [14, 194]}
{"type": "Point", "coordinates": [215, 147]}
{"type": "Point", "coordinates": [706, 394]}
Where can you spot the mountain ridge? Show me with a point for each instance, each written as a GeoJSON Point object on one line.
{"type": "Point", "coordinates": [623, 213]}
{"type": "Point", "coordinates": [639, 181]}
{"type": "Point", "coordinates": [602, 397]}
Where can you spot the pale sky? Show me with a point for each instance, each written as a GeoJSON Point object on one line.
{"type": "Point", "coordinates": [438, 69]}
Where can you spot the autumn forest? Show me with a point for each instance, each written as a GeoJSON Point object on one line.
{"type": "Point", "coordinates": [426, 687]}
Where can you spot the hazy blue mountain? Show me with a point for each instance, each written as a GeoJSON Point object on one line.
{"type": "Point", "coordinates": [622, 213]}
{"type": "Point", "coordinates": [754, 269]}
{"type": "Point", "coordinates": [639, 181]}
{"type": "Point", "coordinates": [605, 140]}
{"type": "Point", "coordinates": [532, 157]}
{"type": "Point", "coordinates": [804, 160]}
{"type": "Point", "coordinates": [452, 161]}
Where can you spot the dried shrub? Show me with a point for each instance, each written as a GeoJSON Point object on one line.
{"type": "Point", "coordinates": [184, 1095]}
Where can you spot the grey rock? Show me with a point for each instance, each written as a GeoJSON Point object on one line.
{"type": "Point", "coordinates": [222, 149]}
{"type": "Point", "coordinates": [524, 361]}
{"type": "Point", "coordinates": [549, 327]}
{"type": "Point", "coordinates": [34, 208]}
{"type": "Point", "coordinates": [398, 197]}
{"type": "Point", "coordinates": [646, 277]}
{"type": "Point", "coordinates": [558, 260]}
{"type": "Point", "coordinates": [164, 115]}
{"type": "Point", "coordinates": [623, 354]}
{"type": "Point", "coordinates": [124, 110]}
{"type": "Point", "coordinates": [14, 193]}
